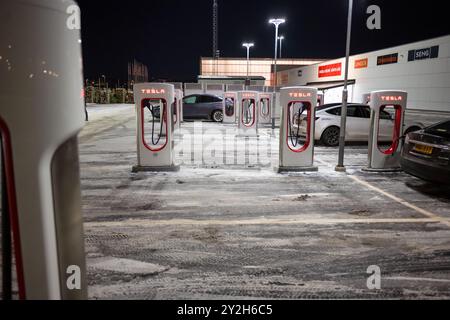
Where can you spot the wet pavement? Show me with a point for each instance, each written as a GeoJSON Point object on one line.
{"type": "Point", "coordinates": [228, 227]}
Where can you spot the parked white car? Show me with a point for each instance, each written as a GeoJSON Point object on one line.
{"type": "Point", "coordinates": [328, 122]}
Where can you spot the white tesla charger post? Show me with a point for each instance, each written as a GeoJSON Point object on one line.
{"type": "Point", "coordinates": [155, 104]}
{"type": "Point", "coordinates": [247, 102]}
{"type": "Point", "coordinates": [178, 110]}
{"type": "Point", "coordinates": [298, 105]}
{"type": "Point", "coordinates": [41, 113]}
{"type": "Point", "coordinates": [229, 107]}
{"type": "Point", "coordinates": [384, 158]}
{"type": "Point", "coordinates": [265, 107]}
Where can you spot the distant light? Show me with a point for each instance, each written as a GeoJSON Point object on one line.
{"type": "Point", "coordinates": [281, 38]}
{"type": "Point", "coordinates": [31, 75]}
{"type": "Point", "coordinates": [79, 41]}
{"type": "Point", "coordinates": [45, 71]}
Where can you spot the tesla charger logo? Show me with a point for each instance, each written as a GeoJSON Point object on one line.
{"type": "Point", "coordinates": [153, 91]}
{"type": "Point", "coordinates": [248, 95]}
{"type": "Point", "coordinates": [392, 98]}
{"type": "Point", "coordinates": [74, 20]}
{"type": "Point", "coordinates": [300, 94]}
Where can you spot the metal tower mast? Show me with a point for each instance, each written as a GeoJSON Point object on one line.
{"type": "Point", "coordinates": [215, 29]}
{"type": "Point", "coordinates": [216, 52]}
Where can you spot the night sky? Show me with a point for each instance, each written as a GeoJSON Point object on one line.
{"type": "Point", "coordinates": [170, 36]}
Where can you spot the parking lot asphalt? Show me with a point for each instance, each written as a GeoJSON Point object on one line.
{"type": "Point", "coordinates": [228, 227]}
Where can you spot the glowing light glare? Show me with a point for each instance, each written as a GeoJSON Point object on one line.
{"type": "Point", "coordinates": [277, 22]}
{"type": "Point", "coordinates": [392, 98]}
{"type": "Point", "coordinates": [153, 91]}
{"type": "Point", "coordinates": [300, 94]}
{"type": "Point", "coordinates": [248, 45]}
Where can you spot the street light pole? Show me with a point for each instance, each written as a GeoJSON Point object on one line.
{"type": "Point", "coordinates": [248, 46]}
{"type": "Point", "coordinates": [341, 167]}
{"type": "Point", "coordinates": [281, 45]}
{"type": "Point", "coordinates": [277, 23]}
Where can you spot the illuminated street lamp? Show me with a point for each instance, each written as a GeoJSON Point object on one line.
{"type": "Point", "coordinates": [248, 46]}
{"type": "Point", "coordinates": [276, 23]}
{"type": "Point", "coordinates": [281, 38]}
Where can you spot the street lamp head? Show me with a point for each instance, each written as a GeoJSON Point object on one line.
{"type": "Point", "coordinates": [248, 45]}
{"type": "Point", "coordinates": [277, 22]}
{"type": "Point", "coordinates": [281, 38]}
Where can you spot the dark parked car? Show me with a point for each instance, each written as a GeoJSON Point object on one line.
{"type": "Point", "coordinates": [203, 106]}
{"type": "Point", "coordinates": [426, 153]}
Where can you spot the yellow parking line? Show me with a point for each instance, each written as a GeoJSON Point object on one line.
{"type": "Point", "coordinates": [257, 221]}
{"type": "Point", "coordinates": [405, 203]}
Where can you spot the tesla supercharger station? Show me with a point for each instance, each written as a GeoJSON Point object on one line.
{"type": "Point", "coordinates": [247, 102]}
{"type": "Point", "coordinates": [229, 107]}
{"type": "Point", "coordinates": [177, 110]}
{"type": "Point", "coordinates": [265, 107]}
{"type": "Point", "coordinates": [382, 158]}
{"type": "Point", "coordinates": [320, 99]}
{"type": "Point", "coordinates": [366, 98]}
{"type": "Point", "coordinates": [154, 113]}
{"type": "Point", "coordinates": [298, 110]}
{"type": "Point", "coordinates": [41, 114]}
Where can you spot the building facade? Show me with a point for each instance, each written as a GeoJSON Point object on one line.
{"type": "Point", "coordinates": [421, 68]}
{"type": "Point", "coordinates": [258, 68]}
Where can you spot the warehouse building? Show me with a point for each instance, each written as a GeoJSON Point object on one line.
{"type": "Point", "coordinates": [422, 69]}
{"type": "Point", "coordinates": [234, 70]}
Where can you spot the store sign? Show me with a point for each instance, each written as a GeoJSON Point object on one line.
{"type": "Point", "coordinates": [331, 70]}
{"type": "Point", "coordinates": [423, 54]}
{"type": "Point", "coordinates": [361, 63]}
{"type": "Point", "coordinates": [387, 59]}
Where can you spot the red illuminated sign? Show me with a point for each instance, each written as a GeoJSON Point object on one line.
{"type": "Point", "coordinates": [300, 94]}
{"type": "Point", "coordinates": [331, 70]}
{"type": "Point", "coordinates": [392, 98]}
{"type": "Point", "coordinates": [153, 91]}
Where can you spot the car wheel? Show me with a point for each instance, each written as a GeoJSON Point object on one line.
{"type": "Point", "coordinates": [412, 129]}
{"type": "Point", "coordinates": [217, 116]}
{"type": "Point", "coordinates": [330, 137]}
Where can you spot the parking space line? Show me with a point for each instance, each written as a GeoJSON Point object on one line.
{"type": "Point", "coordinates": [258, 221]}
{"type": "Point", "coordinates": [405, 203]}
